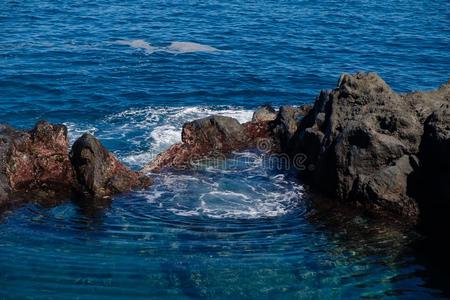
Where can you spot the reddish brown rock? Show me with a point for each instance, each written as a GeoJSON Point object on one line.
{"type": "Point", "coordinates": [50, 146]}
{"type": "Point", "coordinates": [178, 156]}
{"type": "Point", "coordinates": [218, 136]}
{"type": "Point", "coordinates": [99, 172]}
{"type": "Point", "coordinates": [35, 160]}
{"type": "Point", "coordinates": [212, 137]}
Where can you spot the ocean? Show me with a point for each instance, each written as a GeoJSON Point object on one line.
{"type": "Point", "coordinates": [132, 72]}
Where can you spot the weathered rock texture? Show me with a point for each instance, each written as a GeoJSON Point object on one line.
{"type": "Point", "coordinates": [98, 171]}
{"type": "Point", "coordinates": [362, 141]}
{"type": "Point", "coordinates": [286, 123]}
{"type": "Point", "coordinates": [218, 136]}
{"type": "Point", "coordinates": [264, 113]}
{"type": "Point", "coordinates": [364, 144]}
{"type": "Point", "coordinates": [37, 164]}
{"type": "Point", "coordinates": [34, 160]}
{"type": "Point", "coordinates": [207, 138]}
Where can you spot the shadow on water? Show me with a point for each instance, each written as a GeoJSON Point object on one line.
{"type": "Point", "coordinates": [92, 211]}
{"type": "Point", "coordinates": [433, 250]}
{"type": "Point", "coordinates": [394, 242]}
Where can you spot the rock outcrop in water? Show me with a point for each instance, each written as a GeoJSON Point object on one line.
{"type": "Point", "coordinates": [264, 113]}
{"type": "Point", "coordinates": [214, 136]}
{"type": "Point", "coordinates": [98, 171]}
{"type": "Point", "coordinates": [364, 144]}
{"type": "Point", "coordinates": [37, 164]}
{"type": "Point", "coordinates": [363, 140]}
{"type": "Point", "coordinates": [218, 136]}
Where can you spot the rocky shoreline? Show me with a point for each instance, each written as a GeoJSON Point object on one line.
{"type": "Point", "coordinates": [38, 163]}
{"type": "Point", "coordinates": [362, 143]}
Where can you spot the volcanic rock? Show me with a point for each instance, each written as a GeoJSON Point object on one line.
{"type": "Point", "coordinates": [213, 137]}
{"type": "Point", "coordinates": [286, 122]}
{"type": "Point", "coordinates": [35, 160]}
{"type": "Point", "coordinates": [361, 140]}
{"type": "Point", "coordinates": [99, 173]}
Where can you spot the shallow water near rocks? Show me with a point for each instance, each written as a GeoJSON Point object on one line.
{"type": "Point", "coordinates": [132, 73]}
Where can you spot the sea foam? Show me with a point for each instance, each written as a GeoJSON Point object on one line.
{"type": "Point", "coordinates": [138, 44]}
{"type": "Point", "coordinates": [189, 47]}
{"type": "Point", "coordinates": [150, 130]}
{"type": "Point", "coordinates": [174, 47]}
{"type": "Point", "coordinates": [212, 196]}
{"type": "Point", "coordinates": [240, 188]}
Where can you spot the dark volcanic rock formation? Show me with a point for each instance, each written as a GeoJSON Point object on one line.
{"type": "Point", "coordinates": [98, 171]}
{"type": "Point", "coordinates": [286, 123]}
{"type": "Point", "coordinates": [215, 133]}
{"type": "Point", "coordinates": [35, 160]}
{"type": "Point", "coordinates": [363, 140]}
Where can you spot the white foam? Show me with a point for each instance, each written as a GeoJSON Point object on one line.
{"type": "Point", "coordinates": [166, 135]}
{"type": "Point", "coordinates": [138, 159]}
{"type": "Point", "coordinates": [174, 47]}
{"type": "Point", "coordinates": [138, 44]}
{"type": "Point", "coordinates": [224, 195]}
{"type": "Point", "coordinates": [189, 47]}
{"type": "Point", "coordinates": [211, 195]}
{"type": "Point", "coordinates": [151, 130]}
{"type": "Point", "coordinates": [160, 127]}
{"type": "Point", "coordinates": [74, 131]}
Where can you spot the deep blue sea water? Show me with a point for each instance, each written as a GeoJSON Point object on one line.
{"type": "Point", "coordinates": [132, 72]}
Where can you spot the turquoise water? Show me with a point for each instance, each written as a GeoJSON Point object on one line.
{"type": "Point", "coordinates": [131, 73]}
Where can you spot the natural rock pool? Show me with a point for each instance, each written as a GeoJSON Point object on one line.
{"type": "Point", "coordinates": [241, 228]}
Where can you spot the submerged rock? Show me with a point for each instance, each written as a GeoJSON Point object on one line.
{"type": "Point", "coordinates": [99, 173]}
